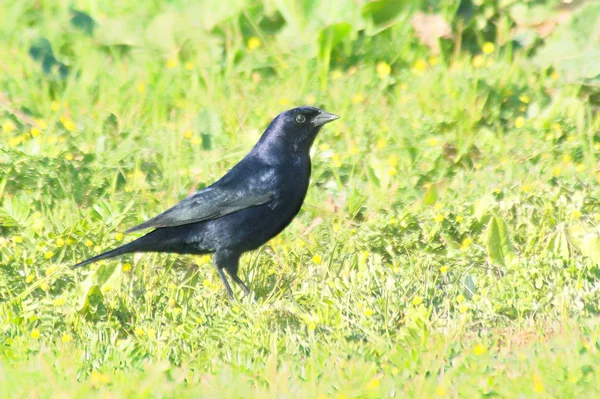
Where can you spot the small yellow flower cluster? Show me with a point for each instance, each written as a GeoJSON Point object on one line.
{"type": "Point", "coordinates": [383, 70]}
{"type": "Point", "coordinates": [253, 43]}
{"type": "Point", "coordinates": [479, 60]}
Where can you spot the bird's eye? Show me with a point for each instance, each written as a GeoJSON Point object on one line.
{"type": "Point", "coordinates": [300, 118]}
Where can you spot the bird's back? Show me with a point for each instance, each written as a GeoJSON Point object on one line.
{"type": "Point", "coordinates": [250, 228]}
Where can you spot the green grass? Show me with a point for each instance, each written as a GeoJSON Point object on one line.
{"type": "Point", "coordinates": [448, 245]}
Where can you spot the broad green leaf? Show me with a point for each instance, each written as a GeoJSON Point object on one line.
{"type": "Point", "coordinates": [499, 248]}
{"type": "Point", "coordinates": [574, 47]}
{"type": "Point", "coordinates": [469, 286]}
{"type": "Point", "coordinates": [330, 37]}
{"type": "Point", "coordinates": [83, 21]}
{"type": "Point", "coordinates": [586, 241]}
{"type": "Point", "coordinates": [431, 195]}
{"type": "Point", "coordinates": [14, 212]}
{"type": "Point", "coordinates": [105, 274]}
{"type": "Point", "coordinates": [380, 15]}
{"type": "Point", "coordinates": [559, 244]}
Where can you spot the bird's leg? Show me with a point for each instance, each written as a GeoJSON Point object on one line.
{"type": "Point", "coordinates": [225, 283]}
{"type": "Point", "coordinates": [238, 281]}
{"type": "Point", "coordinates": [229, 261]}
{"type": "Point", "coordinates": [231, 266]}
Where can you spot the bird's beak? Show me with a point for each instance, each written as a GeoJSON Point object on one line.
{"type": "Point", "coordinates": [323, 118]}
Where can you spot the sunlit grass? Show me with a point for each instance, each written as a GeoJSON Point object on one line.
{"type": "Point", "coordinates": [447, 247]}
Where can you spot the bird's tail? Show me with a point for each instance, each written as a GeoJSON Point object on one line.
{"type": "Point", "coordinates": [124, 249]}
{"type": "Point", "coordinates": [155, 241]}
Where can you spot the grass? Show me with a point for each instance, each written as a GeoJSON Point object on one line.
{"type": "Point", "coordinates": [447, 247]}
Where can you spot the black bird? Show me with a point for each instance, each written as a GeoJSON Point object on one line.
{"type": "Point", "coordinates": [244, 209]}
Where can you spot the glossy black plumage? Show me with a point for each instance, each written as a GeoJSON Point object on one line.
{"type": "Point", "coordinates": [248, 206]}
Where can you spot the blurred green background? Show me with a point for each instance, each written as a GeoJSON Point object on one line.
{"type": "Point", "coordinates": [448, 245]}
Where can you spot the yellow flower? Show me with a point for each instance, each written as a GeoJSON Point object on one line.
{"type": "Point", "coordinates": [392, 160]}
{"type": "Point", "coordinates": [253, 43]}
{"type": "Point", "coordinates": [440, 391]}
{"type": "Point", "coordinates": [312, 326]}
{"type": "Point", "coordinates": [373, 383]}
{"type": "Point", "coordinates": [171, 63]}
{"type": "Point", "coordinates": [48, 254]}
{"type": "Point", "coordinates": [419, 66]}
{"type": "Point", "coordinates": [392, 172]}
{"type": "Point", "coordinates": [317, 259]}
{"type": "Point", "coordinates": [576, 214]}
{"type": "Point", "coordinates": [383, 69]}
{"type": "Point", "coordinates": [368, 312]}
{"type": "Point", "coordinates": [41, 124]}
{"type": "Point", "coordinates": [463, 308]}
{"type": "Point", "coordinates": [460, 298]}
{"type": "Point", "coordinates": [60, 242]}
{"type": "Point", "coordinates": [35, 333]}
{"type": "Point", "coordinates": [358, 98]}
{"type": "Point", "coordinates": [55, 106]}
{"type": "Point", "coordinates": [69, 156]}
{"type": "Point", "coordinates": [381, 143]}
{"type": "Point", "coordinates": [478, 61]}
{"type": "Point", "coordinates": [538, 384]}
{"type": "Point", "coordinates": [488, 47]}
{"type": "Point", "coordinates": [97, 379]}
{"type": "Point", "coordinates": [35, 132]}
{"type": "Point", "coordinates": [139, 331]}
{"type": "Point", "coordinates": [119, 236]}
{"type": "Point", "coordinates": [519, 122]}
{"type": "Point", "coordinates": [566, 158]}
{"type": "Point", "coordinates": [554, 75]}
{"type": "Point", "coordinates": [126, 267]}
{"type": "Point", "coordinates": [17, 239]}
{"type": "Point", "coordinates": [444, 269]}
{"type": "Point", "coordinates": [59, 301]}
{"type": "Point", "coordinates": [556, 171]}
{"type": "Point", "coordinates": [206, 283]}
{"type": "Point", "coordinates": [88, 243]}
{"type": "Point", "coordinates": [417, 300]}
{"type": "Point", "coordinates": [141, 88]}
{"type": "Point", "coordinates": [29, 278]}
{"type": "Point", "coordinates": [439, 218]}
{"type": "Point", "coordinates": [524, 98]}
{"type": "Point", "coordinates": [66, 338]}
{"type": "Point", "coordinates": [479, 350]}
{"type": "Point", "coordinates": [324, 147]}
{"type": "Point", "coordinates": [67, 123]}
{"type": "Point", "coordinates": [466, 243]}
{"type": "Point", "coordinates": [284, 101]}
{"type": "Point", "coordinates": [189, 66]}
{"type": "Point", "coordinates": [335, 158]}
{"type": "Point", "coordinates": [432, 141]}
{"type": "Point", "coordinates": [8, 126]}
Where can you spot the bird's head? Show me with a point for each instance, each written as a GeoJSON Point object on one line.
{"type": "Point", "coordinates": [295, 130]}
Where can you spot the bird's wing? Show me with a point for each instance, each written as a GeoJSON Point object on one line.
{"type": "Point", "coordinates": [210, 203]}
